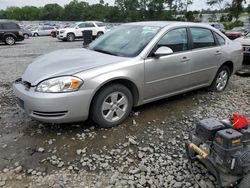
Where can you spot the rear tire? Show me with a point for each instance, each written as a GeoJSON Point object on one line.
{"type": "Point", "coordinates": [221, 79]}
{"type": "Point", "coordinates": [70, 37]}
{"type": "Point", "coordinates": [26, 36]}
{"type": "Point", "coordinates": [9, 40]}
{"type": "Point", "coordinates": [111, 106]}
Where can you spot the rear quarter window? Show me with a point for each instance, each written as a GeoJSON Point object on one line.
{"type": "Point", "coordinates": [202, 37]}
{"type": "Point", "coordinates": [220, 39]}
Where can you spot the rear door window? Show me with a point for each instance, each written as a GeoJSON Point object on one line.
{"type": "Point", "coordinates": [202, 38]}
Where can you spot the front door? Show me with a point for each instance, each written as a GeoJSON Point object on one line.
{"type": "Point", "coordinates": [168, 74]}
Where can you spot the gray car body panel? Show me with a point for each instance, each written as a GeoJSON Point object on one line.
{"type": "Point", "coordinates": [154, 78]}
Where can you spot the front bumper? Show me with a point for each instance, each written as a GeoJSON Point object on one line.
{"type": "Point", "coordinates": [61, 36]}
{"type": "Point", "coordinates": [54, 107]}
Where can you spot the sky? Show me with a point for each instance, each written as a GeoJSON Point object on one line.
{"type": "Point", "coordinates": [197, 5]}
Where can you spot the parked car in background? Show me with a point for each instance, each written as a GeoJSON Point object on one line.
{"type": "Point", "coordinates": [43, 31]}
{"type": "Point", "coordinates": [235, 33]}
{"type": "Point", "coordinates": [10, 33]}
{"type": "Point", "coordinates": [26, 33]}
{"type": "Point", "coordinates": [133, 64]}
{"type": "Point", "coordinates": [245, 41]}
{"type": "Point", "coordinates": [218, 26]}
{"type": "Point", "coordinates": [75, 30]}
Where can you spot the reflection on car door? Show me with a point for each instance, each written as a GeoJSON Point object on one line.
{"type": "Point", "coordinates": [206, 56]}
{"type": "Point", "coordinates": [168, 74]}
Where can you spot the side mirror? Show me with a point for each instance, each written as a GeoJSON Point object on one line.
{"type": "Point", "coordinates": [77, 27]}
{"type": "Point", "coordinates": [163, 51]}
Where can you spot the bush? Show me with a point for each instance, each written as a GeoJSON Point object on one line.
{"type": "Point", "coordinates": [231, 25]}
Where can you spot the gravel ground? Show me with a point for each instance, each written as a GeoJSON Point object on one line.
{"type": "Point", "coordinates": [146, 151]}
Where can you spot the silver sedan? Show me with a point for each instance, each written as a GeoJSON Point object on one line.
{"type": "Point", "coordinates": [131, 65]}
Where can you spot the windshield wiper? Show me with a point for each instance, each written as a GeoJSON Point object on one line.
{"type": "Point", "coordinates": [105, 52]}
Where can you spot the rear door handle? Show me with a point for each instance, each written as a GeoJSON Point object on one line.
{"type": "Point", "coordinates": [218, 52]}
{"type": "Point", "coordinates": [185, 59]}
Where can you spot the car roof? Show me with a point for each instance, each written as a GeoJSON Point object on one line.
{"type": "Point", "coordinates": [167, 23]}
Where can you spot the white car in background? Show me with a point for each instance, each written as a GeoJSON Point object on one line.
{"type": "Point", "coordinates": [75, 30]}
{"type": "Point", "coordinates": [245, 41]}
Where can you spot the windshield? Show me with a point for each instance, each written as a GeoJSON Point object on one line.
{"type": "Point", "coordinates": [72, 25]}
{"type": "Point", "coordinates": [125, 40]}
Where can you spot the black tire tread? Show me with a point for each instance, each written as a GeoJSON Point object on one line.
{"type": "Point", "coordinates": [212, 87]}
{"type": "Point", "coordinates": [97, 102]}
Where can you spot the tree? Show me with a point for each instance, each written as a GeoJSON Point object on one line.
{"type": "Point", "coordinates": [189, 16]}
{"type": "Point", "coordinates": [217, 3]}
{"type": "Point", "coordinates": [2, 14]}
{"type": "Point", "coordinates": [236, 8]}
{"type": "Point", "coordinates": [51, 12]}
{"type": "Point", "coordinates": [76, 11]}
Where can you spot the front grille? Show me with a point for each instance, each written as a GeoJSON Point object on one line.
{"type": "Point", "coordinates": [50, 114]}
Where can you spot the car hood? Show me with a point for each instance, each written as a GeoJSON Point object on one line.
{"type": "Point", "coordinates": [244, 40]}
{"type": "Point", "coordinates": [66, 62]}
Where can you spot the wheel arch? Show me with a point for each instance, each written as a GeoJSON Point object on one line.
{"type": "Point", "coordinates": [9, 34]}
{"type": "Point", "coordinates": [123, 81]}
{"type": "Point", "coordinates": [230, 65]}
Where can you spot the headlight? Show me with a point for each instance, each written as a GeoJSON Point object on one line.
{"type": "Point", "coordinates": [62, 31]}
{"type": "Point", "coordinates": [59, 85]}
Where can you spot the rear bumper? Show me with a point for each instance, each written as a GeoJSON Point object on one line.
{"type": "Point", "coordinates": [54, 107]}
{"type": "Point", "coordinates": [20, 38]}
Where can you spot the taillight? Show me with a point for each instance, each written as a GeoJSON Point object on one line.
{"type": "Point", "coordinates": [20, 33]}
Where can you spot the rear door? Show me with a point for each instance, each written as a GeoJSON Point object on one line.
{"type": "Point", "coordinates": [206, 56]}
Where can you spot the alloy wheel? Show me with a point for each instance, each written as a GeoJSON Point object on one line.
{"type": "Point", "coordinates": [10, 40]}
{"type": "Point", "coordinates": [114, 106]}
{"type": "Point", "coordinates": [222, 80]}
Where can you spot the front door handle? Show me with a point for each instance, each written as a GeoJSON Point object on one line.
{"type": "Point", "coordinates": [218, 52]}
{"type": "Point", "coordinates": [185, 59]}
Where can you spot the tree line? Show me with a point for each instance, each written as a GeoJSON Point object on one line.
{"type": "Point", "coordinates": [121, 11]}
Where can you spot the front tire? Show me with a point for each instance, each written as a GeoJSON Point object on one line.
{"type": "Point", "coordinates": [35, 34]}
{"type": "Point", "coordinates": [111, 106]}
{"type": "Point", "coordinates": [221, 79]}
{"type": "Point", "coordinates": [9, 40]}
{"type": "Point", "coordinates": [99, 34]}
{"type": "Point", "coordinates": [26, 36]}
{"type": "Point", "coordinates": [70, 37]}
